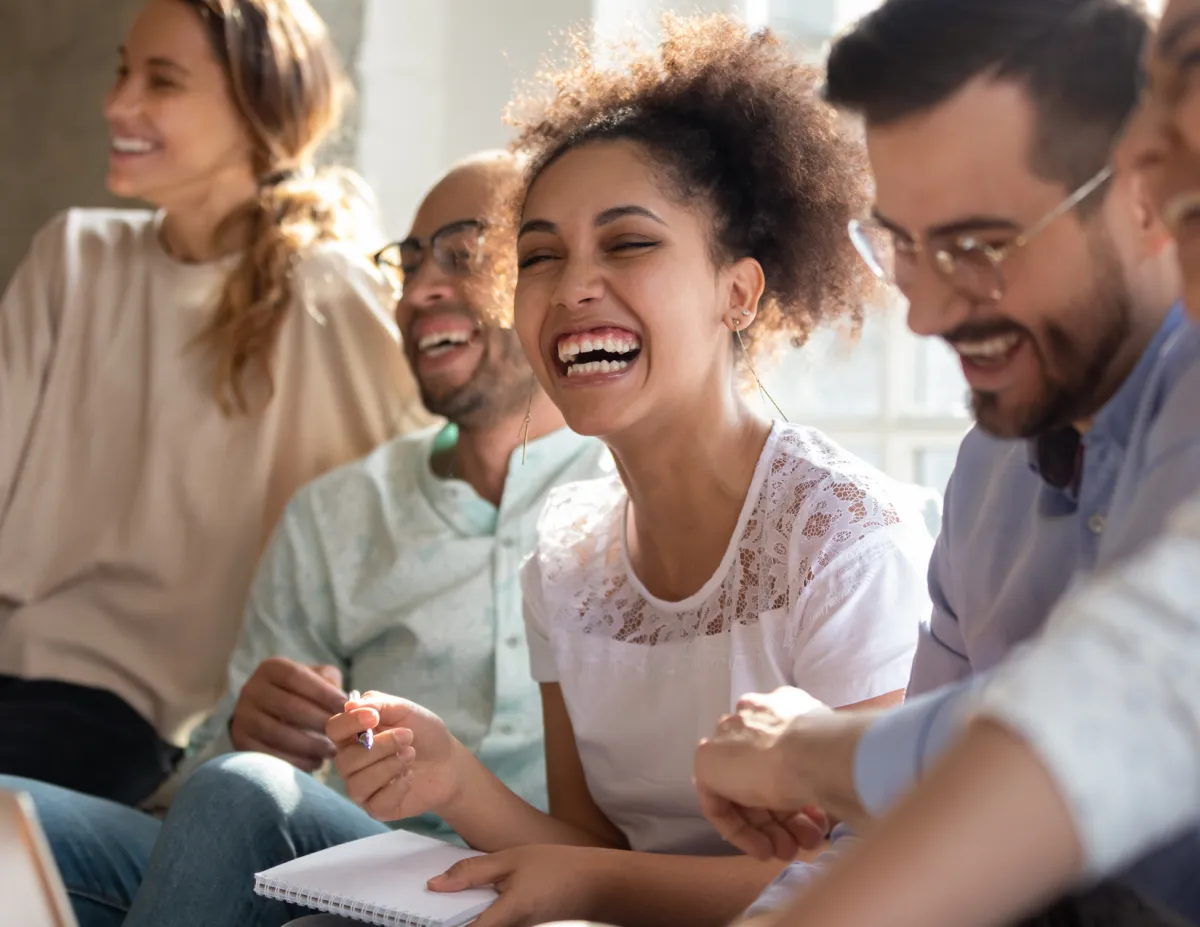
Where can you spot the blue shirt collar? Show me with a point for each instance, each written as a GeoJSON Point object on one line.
{"type": "Point", "coordinates": [1058, 450]}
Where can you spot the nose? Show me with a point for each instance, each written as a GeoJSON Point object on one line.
{"type": "Point", "coordinates": [123, 100]}
{"type": "Point", "coordinates": [578, 285]}
{"type": "Point", "coordinates": [1145, 139]}
{"type": "Point", "coordinates": [934, 306]}
{"type": "Point", "coordinates": [428, 287]}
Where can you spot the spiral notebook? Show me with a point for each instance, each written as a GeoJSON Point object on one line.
{"type": "Point", "coordinates": [378, 880]}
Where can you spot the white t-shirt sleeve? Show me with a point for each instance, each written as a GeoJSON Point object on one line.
{"type": "Point", "coordinates": [859, 618]}
{"type": "Point", "coordinates": [1115, 676]}
{"type": "Point", "coordinates": [537, 633]}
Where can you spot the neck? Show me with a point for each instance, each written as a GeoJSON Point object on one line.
{"type": "Point", "coordinates": [687, 486]}
{"type": "Point", "coordinates": [190, 229]}
{"type": "Point", "coordinates": [483, 453]}
{"type": "Point", "coordinates": [1146, 321]}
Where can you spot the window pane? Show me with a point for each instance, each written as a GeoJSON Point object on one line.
{"type": "Point", "coordinates": [933, 466]}
{"type": "Point", "coordinates": [831, 377]}
{"type": "Point", "coordinates": [938, 384]}
{"type": "Point", "coordinates": [869, 451]}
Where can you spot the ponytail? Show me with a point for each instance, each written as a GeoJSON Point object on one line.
{"type": "Point", "coordinates": [293, 212]}
{"type": "Point", "coordinates": [289, 86]}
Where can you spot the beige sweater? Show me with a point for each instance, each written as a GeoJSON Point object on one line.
{"type": "Point", "coordinates": [132, 511]}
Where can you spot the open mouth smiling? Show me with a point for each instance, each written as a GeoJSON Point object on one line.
{"type": "Point", "coordinates": [597, 353]}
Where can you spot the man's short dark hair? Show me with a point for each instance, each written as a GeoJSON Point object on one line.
{"type": "Point", "coordinates": [1079, 61]}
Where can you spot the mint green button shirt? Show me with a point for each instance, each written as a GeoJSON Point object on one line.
{"type": "Point", "coordinates": [409, 584]}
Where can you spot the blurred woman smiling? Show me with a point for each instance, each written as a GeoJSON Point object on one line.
{"type": "Point", "coordinates": [168, 379]}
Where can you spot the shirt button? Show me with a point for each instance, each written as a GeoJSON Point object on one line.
{"type": "Point", "coordinates": [1096, 524]}
{"type": "Point", "coordinates": [506, 728]}
{"type": "Point", "coordinates": [509, 543]}
{"type": "Point", "coordinates": [514, 642]}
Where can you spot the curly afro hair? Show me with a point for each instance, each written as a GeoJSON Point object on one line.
{"type": "Point", "coordinates": [736, 123]}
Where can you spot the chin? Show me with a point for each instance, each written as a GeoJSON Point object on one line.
{"type": "Point", "coordinates": [596, 422]}
{"type": "Point", "coordinates": [126, 188]}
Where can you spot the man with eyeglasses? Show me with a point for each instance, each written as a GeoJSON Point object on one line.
{"type": "Point", "coordinates": [397, 572]}
{"type": "Point", "coordinates": [989, 125]}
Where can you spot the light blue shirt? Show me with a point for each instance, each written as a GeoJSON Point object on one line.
{"type": "Point", "coordinates": [1012, 544]}
{"type": "Point", "coordinates": [409, 584]}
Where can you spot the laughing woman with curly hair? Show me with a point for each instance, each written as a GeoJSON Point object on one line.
{"type": "Point", "coordinates": [678, 215]}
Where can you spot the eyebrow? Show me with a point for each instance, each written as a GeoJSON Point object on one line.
{"type": "Point", "coordinates": [158, 62]}
{"type": "Point", "coordinates": [1171, 37]}
{"type": "Point", "coordinates": [607, 217]}
{"type": "Point", "coordinates": [620, 212]}
{"type": "Point", "coordinates": [457, 225]}
{"type": "Point", "coordinates": [951, 229]}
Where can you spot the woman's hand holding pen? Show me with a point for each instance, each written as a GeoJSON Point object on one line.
{"type": "Point", "coordinates": [412, 765]}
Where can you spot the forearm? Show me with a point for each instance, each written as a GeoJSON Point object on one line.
{"type": "Point", "coordinates": [821, 752]}
{"type": "Point", "coordinates": [650, 889]}
{"type": "Point", "coordinates": [490, 817]}
{"type": "Point", "coordinates": [985, 838]}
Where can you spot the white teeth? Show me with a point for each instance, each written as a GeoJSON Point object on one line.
{"type": "Point", "coordinates": [594, 367]}
{"type": "Point", "coordinates": [571, 347]}
{"type": "Point", "coordinates": [449, 339]}
{"type": "Point", "coordinates": [132, 145]}
{"type": "Point", "coordinates": [988, 349]}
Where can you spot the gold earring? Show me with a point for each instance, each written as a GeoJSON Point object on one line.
{"type": "Point", "coordinates": [525, 424]}
{"type": "Point", "coordinates": [737, 331]}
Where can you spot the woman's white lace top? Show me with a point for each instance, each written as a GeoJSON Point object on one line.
{"type": "Point", "coordinates": [822, 587]}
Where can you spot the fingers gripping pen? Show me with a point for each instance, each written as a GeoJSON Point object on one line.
{"type": "Point", "coordinates": [366, 738]}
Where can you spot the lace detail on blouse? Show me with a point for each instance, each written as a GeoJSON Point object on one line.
{"type": "Point", "coordinates": [812, 501]}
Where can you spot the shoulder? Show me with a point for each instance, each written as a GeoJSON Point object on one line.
{"type": "Point", "coordinates": [359, 490]}
{"type": "Point", "coordinates": [823, 485]}
{"type": "Point", "coordinates": [578, 520]}
{"type": "Point", "coordinates": [338, 276]}
{"type": "Point", "coordinates": [829, 509]}
{"type": "Point", "coordinates": [1172, 413]}
{"type": "Point", "coordinates": [989, 472]}
{"type": "Point", "coordinates": [92, 233]}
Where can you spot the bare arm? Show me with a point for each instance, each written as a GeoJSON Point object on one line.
{"type": "Point", "coordinates": [652, 889]}
{"type": "Point", "coordinates": [490, 817]}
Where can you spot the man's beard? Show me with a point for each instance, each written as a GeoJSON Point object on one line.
{"type": "Point", "coordinates": [500, 386]}
{"type": "Point", "coordinates": [1076, 378]}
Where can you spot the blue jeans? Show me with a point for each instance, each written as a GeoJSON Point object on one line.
{"type": "Point", "coordinates": [101, 848]}
{"type": "Point", "coordinates": [234, 816]}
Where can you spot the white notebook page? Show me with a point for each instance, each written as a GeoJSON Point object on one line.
{"type": "Point", "coordinates": [385, 871]}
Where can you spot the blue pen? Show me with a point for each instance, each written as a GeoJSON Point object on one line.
{"type": "Point", "coordinates": [366, 738]}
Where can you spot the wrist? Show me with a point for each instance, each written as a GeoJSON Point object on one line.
{"type": "Point", "coordinates": [603, 878]}
{"type": "Point", "coordinates": [461, 771]}
{"type": "Point", "coordinates": [819, 753]}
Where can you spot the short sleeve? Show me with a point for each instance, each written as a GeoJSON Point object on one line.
{"type": "Point", "coordinates": [859, 617]}
{"type": "Point", "coordinates": [537, 634]}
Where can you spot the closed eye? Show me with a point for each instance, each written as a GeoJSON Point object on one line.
{"type": "Point", "coordinates": [533, 259]}
{"type": "Point", "coordinates": [633, 246]}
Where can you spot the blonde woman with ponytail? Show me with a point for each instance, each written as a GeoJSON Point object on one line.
{"type": "Point", "coordinates": [169, 378]}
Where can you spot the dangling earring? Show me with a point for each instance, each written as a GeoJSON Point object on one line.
{"type": "Point", "coordinates": [737, 331]}
{"type": "Point", "coordinates": [525, 424]}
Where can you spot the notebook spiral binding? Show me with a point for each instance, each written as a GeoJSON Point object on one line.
{"type": "Point", "coordinates": [329, 903]}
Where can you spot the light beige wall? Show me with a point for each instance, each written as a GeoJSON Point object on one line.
{"type": "Point", "coordinates": [56, 62]}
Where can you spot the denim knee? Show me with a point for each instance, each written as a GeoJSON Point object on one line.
{"type": "Point", "coordinates": [242, 791]}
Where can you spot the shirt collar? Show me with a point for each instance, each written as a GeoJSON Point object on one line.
{"type": "Point", "coordinates": [466, 511]}
{"type": "Point", "coordinates": [1055, 455]}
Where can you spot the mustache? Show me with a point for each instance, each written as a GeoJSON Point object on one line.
{"type": "Point", "coordinates": [982, 331]}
